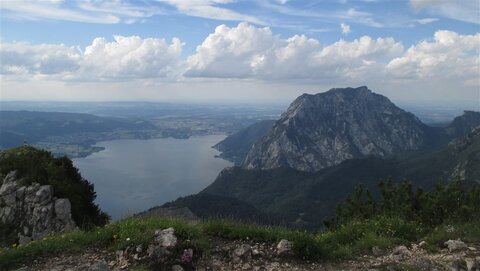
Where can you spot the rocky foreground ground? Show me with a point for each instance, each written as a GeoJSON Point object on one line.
{"type": "Point", "coordinates": [222, 254]}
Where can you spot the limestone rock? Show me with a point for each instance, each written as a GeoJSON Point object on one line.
{"type": "Point", "coordinates": [455, 245]}
{"type": "Point", "coordinates": [242, 251]}
{"type": "Point", "coordinates": [376, 251]}
{"type": "Point", "coordinates": [163, 242]}
{"type": "Point", "coordinates": [166, 238]}
{"type": "Point", "coordinates": [472, 264]}
{"type": "Point", "coordinates": [33, 210]}
{"type": "Point", "coordinates": [402, 251]}
{"type": "Point", "coordinates": [422, 244]}
{"type": "Point", "coordinates": [284, 247]}
{"type": "Point", "coordinates": [325, 129]}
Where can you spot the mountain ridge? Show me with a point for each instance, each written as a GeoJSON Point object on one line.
{"type": "Point", "coordinates": [301, 199]}
{"type": "Point", "coordinates": [324, 129]}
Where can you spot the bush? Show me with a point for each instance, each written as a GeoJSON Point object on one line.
{"type": "Point", "coordinates": [38, 166]}
{"type": "Point", "coordinates": [363, 234]}
{"type": "Point", "coordinates": [452, 203]}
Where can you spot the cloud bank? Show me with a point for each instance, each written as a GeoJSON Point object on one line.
{"type": "Point", "coordinates": [123, 58]}
{"type": "Point", "coordinates": [249, 52]}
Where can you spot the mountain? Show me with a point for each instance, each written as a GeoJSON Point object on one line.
{"type": "Point", "coordinates": [35, 126]}
{"type": "Point", "coordinates": [463, 124]}
{"type": "Point", "coordinates": [72, 134]}
{"type": "Point", "coordinates": [324, 129]}
{"type": "Point", "coordinates": [236, 146]}
{"type": "Point", "coordinates": [303, 199]}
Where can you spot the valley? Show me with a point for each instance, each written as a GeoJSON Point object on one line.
{"type": "Point", "coordinates": [298, 169]}
{"type": "Point", "coordinates": [236, 135]}
{"type": "Point", "coordinates": [75, 134]}
{"type": "Point", "coordinates": [329, 179]}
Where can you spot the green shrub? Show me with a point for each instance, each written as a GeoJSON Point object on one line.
{"type": "Point", "coordinates": [362, 234]}
{"type": "Point", "coordinates": [452, 203]}
{"type": "Point", "coordinates": [468, 232]}
{"type": "Point", "coordinates": [41, 167]}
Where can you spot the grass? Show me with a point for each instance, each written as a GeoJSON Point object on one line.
{"type": "Point", "coordinates": [467, 232]}
{"type": "Point", "coordinates": [114, 236]}
{"type": "Point", "coordinates": [342, 242]}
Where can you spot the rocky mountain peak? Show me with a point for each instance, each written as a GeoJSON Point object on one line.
{"type": "Point", "coordinates": [463, 124]}
{"type": "Point", "coordinates": [324, 129]}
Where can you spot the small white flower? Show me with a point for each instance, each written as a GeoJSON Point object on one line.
{"type": "Point", "coordinates": [128, 239]}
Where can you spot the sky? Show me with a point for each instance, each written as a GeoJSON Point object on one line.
{"type": "Point", "coordinates": [234, 51]}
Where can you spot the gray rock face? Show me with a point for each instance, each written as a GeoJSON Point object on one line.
{"type": "Point", "coordinates": [401, 251]}
{"type": "Point", "coordinates": [33, 210]}
{"type": "Point", "coordinates": [284, 247]}
{"type": "Point", "coordinates": [455, 245]}
{"type": "Point", "coordinates": [166, 238]}
{"type": "Point", "coordinates": [325, 129]}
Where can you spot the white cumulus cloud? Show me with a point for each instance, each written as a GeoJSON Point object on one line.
{"type": "Point", "coordinates": [246, 51]}
{"type": "Point", "coordinates": [25, 58]}
{"type": "Point", "coordinates": [448, 56]}
{"type": "Point", "coordinates": [255, 53]}
{"type": "Point", "coordinates": [124, 58]}
{"type": "Point", "coordinates": [131, 57]}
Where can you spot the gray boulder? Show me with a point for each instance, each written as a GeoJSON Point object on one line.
{"type": "Point", "coordinates": [33, 210]}
{"type": "Point", "coordinates": [163, 242]}
{"type": "Point", "coordinates": [402, 251]}
{"type": "Point", "coordinates": [166, 238]}
{"type": "Point", "coordinates": [455, 245]}
{"type": "Point", "coordinates": [284, 247]}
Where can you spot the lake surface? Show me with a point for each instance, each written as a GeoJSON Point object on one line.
{"type": "Point", "coordinates": [134, 175]}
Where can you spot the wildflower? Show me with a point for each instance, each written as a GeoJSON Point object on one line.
{"type": "Point", "coordinates": [115, 236]}
{"type": "Point", "coordinates": [450, 228]}
{"type": "Point", "coordinates": [187, 256]}
{"type": "Point", "coordinates": [128, 239]}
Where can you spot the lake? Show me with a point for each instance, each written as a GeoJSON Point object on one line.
{"type": "Point", "coordinates": [134, 175]}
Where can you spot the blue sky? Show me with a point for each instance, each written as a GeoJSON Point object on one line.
{"type": "Point", "coordinates": [208, 50]}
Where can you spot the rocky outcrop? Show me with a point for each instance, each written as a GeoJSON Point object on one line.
{"type": "Point", "coordinates": [462, 125]}
{"type": "Point", "coordinates": [455, 245]}
{"type": "Point", "coordinates": [236, 146]}
{"type": "Point", "coordinates": [224, 254]}
{"type": "Point", "coordinates": [32, 212]}
{"type": "Point", "coordinates": [324, 129]}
